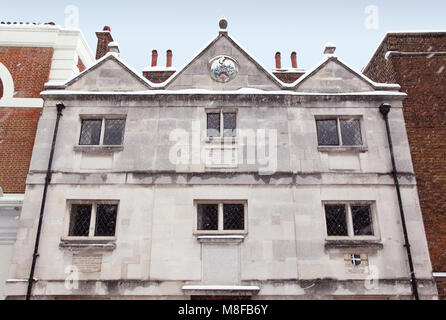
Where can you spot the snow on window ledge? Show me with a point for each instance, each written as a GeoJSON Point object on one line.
{"type": "Point", "coordinates": [108, 244]}
{"type": "Point", "coordinates": [329, 149]}
{"type": "Point", "coordinates": [98, 149]}
{"type": "Point", "coordinates": [221, 239]}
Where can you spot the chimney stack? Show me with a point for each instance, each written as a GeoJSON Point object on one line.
{"type": "Point", "coordinates": [104, 38]}
{"type": "Point", "coordinates": [169, 59]}
{"type": "Point", "coordinates": [294, 60]}
{"type": "Point", "coordinates": [154, 58]}
{"type": "Point", "coordinates": [278, 61]}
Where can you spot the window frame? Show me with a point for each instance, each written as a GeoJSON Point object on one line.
{"type": "Point", "coordinates": [222, 112]}
{"type": "Point", "coordinates": [92, 228]}
{"type": "Point", "coordinates": [103, 119]}
{"type": "Point", "coordinates": [341, 145]}
{"type": "Point", "coordinates": [349, 220]}
{"type": "Point", "coordinates": [220, 230]}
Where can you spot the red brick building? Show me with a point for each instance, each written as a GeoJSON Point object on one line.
{"type": "Point", "coordinates": [31, 55]}
{"type": "Point", "coordinates": [417, 61]}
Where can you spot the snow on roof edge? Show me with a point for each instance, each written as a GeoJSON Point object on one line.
{"type": "Point", "coordinates": [250, 91]}
{"type": "Point", "coordinates": [99, 61]}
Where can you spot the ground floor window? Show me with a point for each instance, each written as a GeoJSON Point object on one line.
{"type": "Point", "coordinates": [221, 216]}
{"type": "Point", "coordinates": [93, 219]}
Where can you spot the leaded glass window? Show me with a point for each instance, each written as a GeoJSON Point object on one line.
{"type": "Point", "coordinates": [108, 132]}
{"type": "Point", "coordinates": [336, 220]}
{"type": "Point", "coordinates": [207, 217]}
{"type": "Point", "coordinates": [339, 132]}
{"type": "Point", "coordinates": [114, 132]}
{"type": "Point", "coordinates": [221, 217]}
{"type": "Point", "coordinates": [234, 216]}
{"type": "Point", "coordinates": [80, 220]}
{"type": "Point", "coordinates": [90, 132]}
{"type": "Point", "coordinates": [222, 124]}
{"type": "Point", "coordinates": [362, 220]}
{"type": "Point", "coordinates": [93, 219]}
{"type": "Point", "coordinates": [327, 132]}
{"type": "Point", "coordinates": [106, 220]}
{"type": "Point", "coordinates": [230, 124]}
{"type": "Point", "coordinates": [351, 132]}
{"type": "Point", "coordinates": [213, 125]}
{"type": "Point", "coordinates": [349, 220]}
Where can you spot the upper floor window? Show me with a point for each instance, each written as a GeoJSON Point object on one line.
{"type": "Point", "coordinates": [350, 220]}
{"type": "Point", "coordinates": [226, 217]}
{"type": "Point", "coordinates": [339, 131]}
{"type": "Point", "coordinates": [107, 132]}
{"type": "Point", "coordinates": [93, 219]}
{"type": "Point", "coordinates": [221, 124]}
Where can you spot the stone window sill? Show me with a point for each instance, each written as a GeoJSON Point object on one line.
{"type": "Point", "coordinates": [243, 291]}
{"type": "Point", "coordinates": [220, 140]}
{"type": "Point", "coordinates": [88, 244]}
{"type": "Point", "coordinates": [221, 239]}
{"type": "Point", "coordinates": [342, 149]}
{"type": "Point", "coordinates": [354, 244]}
{"type": "Point", "coordinates": [98, 149]}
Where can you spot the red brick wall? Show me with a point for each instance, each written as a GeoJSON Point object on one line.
{"type": "Point", "coordinates": [157, 76]}
{"type": "Point", "coordinates": [17, 132]}
{"type": "Point", "coordinates": [423, 78]}
{"type": "Point", "coordinates": [80, 65]}
{"type": "Point", "coordinates": [441, 286]}
{"type": "Point", "coordinates": [30, 68]}
{"type": "Point", "coordinates": [288, 77]}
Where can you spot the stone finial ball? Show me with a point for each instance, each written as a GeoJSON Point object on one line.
{"type": "Point", "coordinates": [223, 24]}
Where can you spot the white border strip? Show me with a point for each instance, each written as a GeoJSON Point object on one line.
{"type": "Point", "coordinates": [439, 274]}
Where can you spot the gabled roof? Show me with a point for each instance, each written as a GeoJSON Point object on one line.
{"type": "Point", "coordinates": [110, 56]}
{"type": "Point", "coordinates": [332, 58]}
{"type": "Point", "coordinates": [224, 34]}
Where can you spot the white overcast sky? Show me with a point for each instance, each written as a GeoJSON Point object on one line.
{"type": "Point", "coordinates": [262, 27]}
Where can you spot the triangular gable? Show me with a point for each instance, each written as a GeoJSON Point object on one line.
{"type": "Point", "coordinates": [109, 74]}
{"type": "Point", "coordinates": [334, 76]}
{"type": "Point", "coordinates": [196, 74]}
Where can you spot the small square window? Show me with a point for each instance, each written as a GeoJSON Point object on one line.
{"type": "Point", "coordinates": [327, 132]}
{"type": "Point", "coordinates": [93, 219]}
{"type": "Point", "coordinates": [106, 220]}
{"type": "Point", "coordinates": [222, 124]}
{"type": "Point", "coordinates": [349, 220]}
{"type": "Point", "coordinates": [107, 132]}
{"type": "Point", "coordinates": [225, 217]}
{"type": "Point", "coordinates": [234, 216]}
{"type": "Point", "coordinates": [213, 125]}
{"type": "Point", "coordinates": [207, 217]}
{"type": "Point", "coordinates": [114, 132]}
{"type": "Point", "coordinates": [230, 124]}
{"type": "Point", "coordinates": [339, 132]}
{"type": "Point", "coordinates": [80, 220]}
{"type": "Point", "coordinates": [362, 221]}
{"type": "Point", "coordinates": [351, 132]}
{"type": "Point", "coordinates": [336, 220]}
{"type": "Point", "coordinates": [90, 132]}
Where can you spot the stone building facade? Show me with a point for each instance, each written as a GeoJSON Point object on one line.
{"type": "Point", "coordinates": [30, 56]}
{"type": "Point", "coordinates": [417, 61]}
{"type": "Point", "coordinates": [221, 181]}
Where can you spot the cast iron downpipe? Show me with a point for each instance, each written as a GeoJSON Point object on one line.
{"type": "Point", "coordinates": [60, 107]}
{"type": "Point", "coordinates": [385, 109]}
